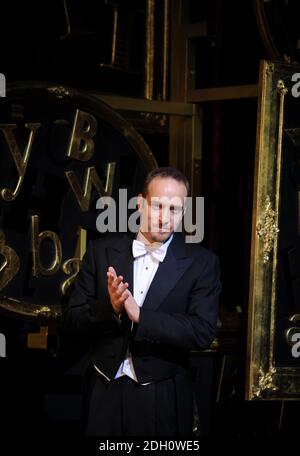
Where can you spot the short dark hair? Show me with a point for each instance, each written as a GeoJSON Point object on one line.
{"type": "Point", "coordinates": [166, 171]}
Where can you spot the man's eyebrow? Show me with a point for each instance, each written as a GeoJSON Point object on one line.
{"type": "Point", "coordinates": [175, 206]}
{"type": "Point", "coordinates": [162, 203]}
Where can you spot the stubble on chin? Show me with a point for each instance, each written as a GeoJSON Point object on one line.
{"type": "Point", "coordinates": [157, 237]}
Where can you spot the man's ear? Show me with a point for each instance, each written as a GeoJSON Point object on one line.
{"type": "Point", "coordinates": [185, 203]}
{"type": "Point", "coordinates": [141, 202]}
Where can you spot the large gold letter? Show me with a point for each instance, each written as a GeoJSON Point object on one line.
{"type": "Point", "coordinates": [36, 240]}
{"type": "Point", "coordinates": [91, 178]}
{"type": "Point", "coordinates": [11, 264]}
{"type": "Point", "coordinates": [70, 267]}
{"type": "Point", "coordinates": [84, 129]}
{"type": "Point", "coordinates": [20, 161]}
{"type": "Point", "coordinates": [73, 264]}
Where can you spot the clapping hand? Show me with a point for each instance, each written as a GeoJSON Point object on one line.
{"type": "Point", "coordinates": [120, 297]}
{"type": "Point", "coordinates": [117, 290]}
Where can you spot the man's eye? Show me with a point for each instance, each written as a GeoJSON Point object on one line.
{"type": "Point", "coordinates": [155, 206]}
{"type": "Point", "coordinates": [176, 210]}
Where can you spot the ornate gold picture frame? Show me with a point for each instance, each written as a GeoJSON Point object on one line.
{"type": "Point", "coordinates": [273, 358]}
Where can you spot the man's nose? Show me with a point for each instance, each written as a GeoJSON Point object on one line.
{"type": "Point", "coordinates": [164, 216]}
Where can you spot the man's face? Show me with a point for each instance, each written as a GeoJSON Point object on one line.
{"type": "Point", "coordinates": [162, 208]}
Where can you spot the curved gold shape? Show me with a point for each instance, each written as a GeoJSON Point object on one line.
{"type": "Point", "coordinates": [9, 264]}
{"type": "Point", "coordinates": [264, 30]}
{"type": "Point", "coordinates": [26, 310]}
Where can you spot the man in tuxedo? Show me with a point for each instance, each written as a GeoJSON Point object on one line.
{"type": "Point", "coordinates": [144, 303]}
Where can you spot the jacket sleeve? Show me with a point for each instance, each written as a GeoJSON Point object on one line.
{"type": "Point", "coordinates": [194, 329]}
{"type": "Point", "coordinates": [86, 314]}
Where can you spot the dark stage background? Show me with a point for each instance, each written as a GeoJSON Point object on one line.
{"type": "Point", "coordinates": [131, 54]}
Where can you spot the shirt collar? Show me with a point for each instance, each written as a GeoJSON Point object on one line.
{"type": "Point", "coordinates": [141, 237]}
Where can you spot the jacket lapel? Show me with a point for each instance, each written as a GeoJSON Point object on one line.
{"type": "Point", "coordinates": [168, 273]}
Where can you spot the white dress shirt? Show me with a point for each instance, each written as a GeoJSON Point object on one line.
{"type": "Point", "coordinates": [144, 270]}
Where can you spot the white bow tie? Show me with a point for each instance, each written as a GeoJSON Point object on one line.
{"type": "Point", "coordinates": [157, 249]}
